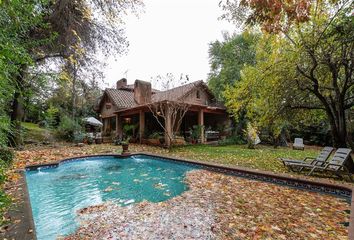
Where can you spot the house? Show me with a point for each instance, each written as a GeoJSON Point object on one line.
{"type": "Point", "coordinates": [131, 105]}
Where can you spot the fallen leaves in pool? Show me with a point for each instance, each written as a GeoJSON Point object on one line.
{"type": "Point", "coordinates": [160, 186]}
{"type": "Point", "coordinates": [113, 168]}
{"type": "Point", "coordinates": [108, 189]}
{"type": "Point", "coordinates": [218, 206]}
{"type": "Point", "coordinates": [73, 176]}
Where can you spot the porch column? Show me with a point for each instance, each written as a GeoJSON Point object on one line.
{"type": "Point", "coordinates": [201, 123]}
{"type": "Point", "coordinates": [168, 127]}
{"type": "Point", "coordinates": [141, 124]}
{"type": "Point", "coordinates": [119, 129]}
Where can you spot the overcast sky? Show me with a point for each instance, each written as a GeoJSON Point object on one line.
{"type": "Point", "coordinates": [171, 36]}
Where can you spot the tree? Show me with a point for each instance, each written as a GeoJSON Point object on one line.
{"type": "Point", "coordinates": [311, 63]}
{"type": "Point", "coordinates": [264, 91]}
{"type": "Point", "coordinates": [166, 109]}
{"type": "Point", "coordinates": [227, 58]}
{"type": "Point", "coordinates": [273, 16]}
{"type": "Point", "coordinates": [62, 29]}
{"type": "Point", "coordinates": [15, 58]}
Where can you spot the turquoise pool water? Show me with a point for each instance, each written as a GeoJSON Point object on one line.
{"type": "Point", "coordinates": [57, 193]}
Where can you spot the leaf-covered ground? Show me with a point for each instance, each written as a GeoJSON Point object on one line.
{"type": "Point", "coordinates": [263, 158]}
{"type": "Point", "coordinates": [218, 206]}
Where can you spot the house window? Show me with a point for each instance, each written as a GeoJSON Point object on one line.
{"type": "Point", "coordinates": [198, 94]}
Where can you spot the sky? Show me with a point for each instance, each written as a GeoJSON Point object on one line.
{"type": "Point", "coordinates": [170, 36]}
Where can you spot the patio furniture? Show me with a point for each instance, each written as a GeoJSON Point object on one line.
{"type": "Point", "coordinates": [335, 166]}
{"type": "Point", "coordinates": [298, 144]}
{"type": "Point", "coordinates": [92, 121]}
{"type": "Point", "coordinates": [212, 135]}
{"type": "Point", "coordinates": [320, 160]}
{"type": "Point", "coordinates": [98, 138]}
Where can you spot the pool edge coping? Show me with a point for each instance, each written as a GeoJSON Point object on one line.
{"type": "Point", "coordinates": [280, 176]}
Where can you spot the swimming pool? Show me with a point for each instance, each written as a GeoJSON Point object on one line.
{"type": "Point", "coordinates": [57, 193]}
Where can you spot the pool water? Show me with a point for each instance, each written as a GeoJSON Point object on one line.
{"type": "Point", "coordinates": [57, 193]}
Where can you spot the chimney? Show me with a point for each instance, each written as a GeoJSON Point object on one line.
{"type": "Point", "coordinates": [121, 83]}
{"type": "Point", "coordinates": [142, 92]}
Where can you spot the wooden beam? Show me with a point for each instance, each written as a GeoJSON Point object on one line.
{"type": "Point", "coordinates": [119, 126]}
{"type": "Point", "coordinates": [141, 124]}
{"type": "Point", "coordinates": [201, 123]}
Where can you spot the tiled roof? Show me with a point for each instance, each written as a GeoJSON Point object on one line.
{"type": "Point", "coordinates": [175, 93]}
{"type": "Point", "coordinates": [121, 98]}
{"type": "Point", "coordinates": [124, 98]}
{"type": "Point", "coordinates": [130, 87]}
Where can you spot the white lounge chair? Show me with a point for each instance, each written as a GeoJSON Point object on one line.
{"type": "Point", "coordinates": [299, 144]}
{"type": "Point", "coordinates": [335, 166]}
{"type": "Point", "coordinates": [320, 160]}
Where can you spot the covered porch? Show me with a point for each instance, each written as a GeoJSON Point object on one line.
{"type": "Point", "coordinates": [142, 126]}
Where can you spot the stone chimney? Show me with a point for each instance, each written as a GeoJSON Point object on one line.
{"type": "Point", "coordinates": [121, 83]}
{"type": "Point", "coordinates": [142, 92]}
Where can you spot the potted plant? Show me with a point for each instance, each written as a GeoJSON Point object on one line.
{"type": "Point", "coordinates": [117, 141]}
{"type": "Point", "coordinates": [125, 146]}
{"type": "Point", "coordinates": [196, 133]}
{"type": "Point", "coordinates": [129, 131]}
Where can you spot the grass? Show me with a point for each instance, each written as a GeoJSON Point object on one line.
{"type": "Point", "coordinates": [262, 158]}
{"type": "Point", "coordinates": [34, 133]}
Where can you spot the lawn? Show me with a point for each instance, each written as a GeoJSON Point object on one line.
{"type": "Point", "coordinates": [33, 133]}
{"type": "Point", "coordinates": [261, 158]}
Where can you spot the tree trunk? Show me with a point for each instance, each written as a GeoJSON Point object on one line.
{"type": "Point", "coordinates": [168, 128]}
{"type": "Point", "coordinates": [340, 134]}
{"type": "Point", "coordinates": [339, 129]}
{"type": "Point", "coordinates": [74, 94]}
{"type": "Point", "coordinates": [15, 138]}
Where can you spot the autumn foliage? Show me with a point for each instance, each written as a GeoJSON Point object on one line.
{"type": "Point", "coordinates": [277, 15]}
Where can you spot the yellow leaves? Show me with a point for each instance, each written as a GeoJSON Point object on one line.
{"type": "Point", "coordinates": [76, 35]}
{"type": "Point", "coordinates": [64, 76]}
{"type": "Point", "coordinates": [72, 60]}
{"type": "Point", "coordinates": [87, 13]}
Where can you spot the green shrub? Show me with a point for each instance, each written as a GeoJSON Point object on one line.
{"type": "Point", "coordinates": [51, 116]}
{"type": "Point", "coordinates": [4, 199]}
{"type": "Point", "coordinates": [155, 135]}
{"type": "Point", "coordinates": [67, 129]}
{"type": "Point", "coordinates": [129, 130]}
{"type": "Point", "coordinates": [78, 137]}
{"type": "Point", "coordinates": [6, 155]}
{"type": "Point", "coordinates": [196, 131]}
{"type": "Point", "coordinates": [4, 205]}
{"type": "Point", "coordinates": [3, 168]}
{"type": "Point", "coordinates": [233, 140]}
{"type": "Point", "coordinates": [5, 130]}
